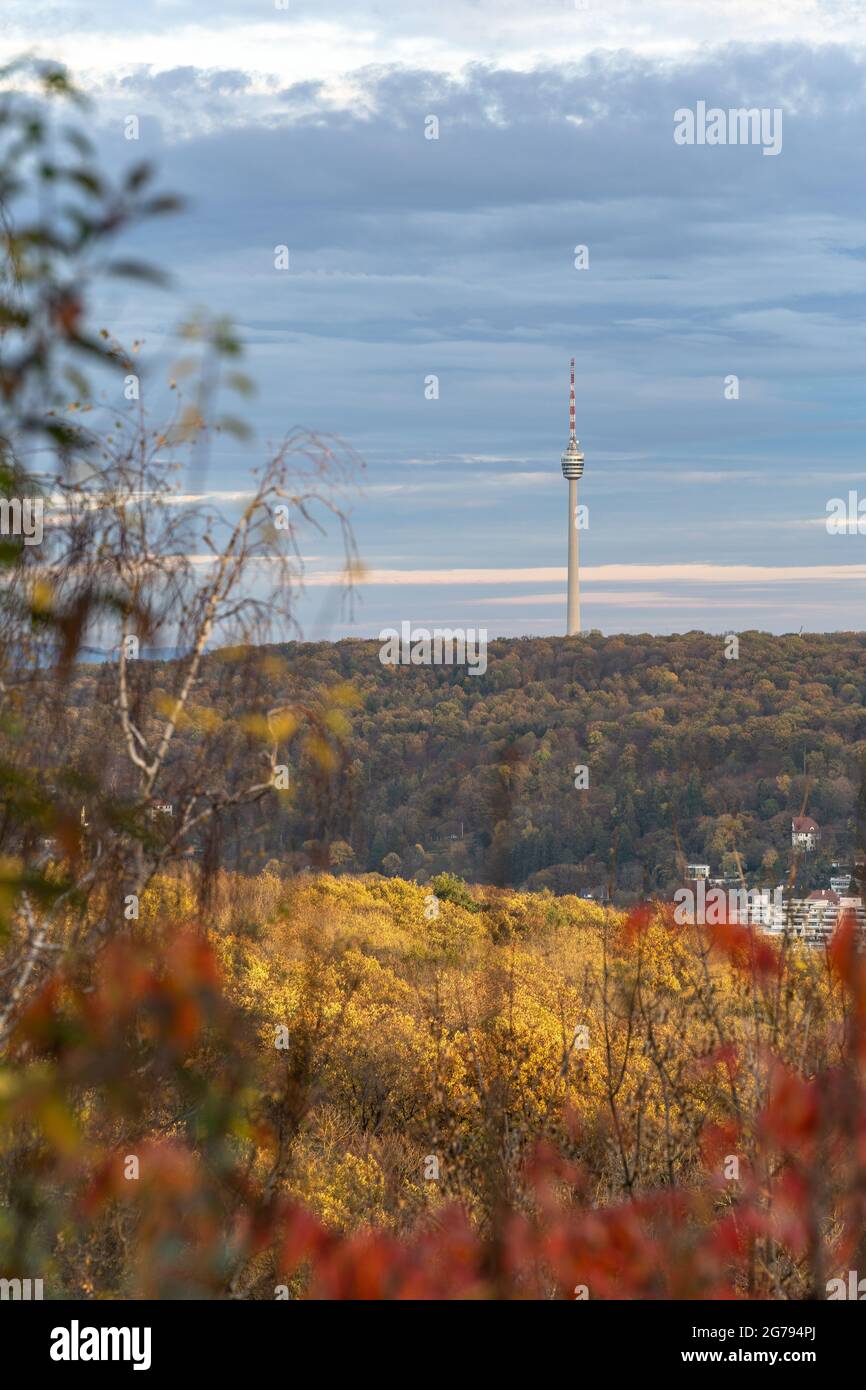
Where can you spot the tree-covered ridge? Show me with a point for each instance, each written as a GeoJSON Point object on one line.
{"type": "Point", "coordinates": [691, 756]}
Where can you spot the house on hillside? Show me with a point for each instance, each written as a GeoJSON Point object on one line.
{"type": "Point", "coordinates": [824, 895]}
{"type": "Point", "coordinates": [840, 879]}
{"type": "Point", "coordinates": [697, 871]}
{"type": "Point", "coordinates": [805, 833]}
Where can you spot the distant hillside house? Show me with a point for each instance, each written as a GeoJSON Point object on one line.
{"type": "Point", "coordinates": [805, 833]}
{"type": "Point", "coordinates": [697, 871]}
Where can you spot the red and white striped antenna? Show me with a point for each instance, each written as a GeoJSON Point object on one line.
{"type": "Point", "coordinates": [572, 459]}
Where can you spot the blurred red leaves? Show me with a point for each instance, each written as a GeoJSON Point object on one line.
{"type": "Point", "coordinates": [746, 949]}
{"type": "Point", "coordinates": [167, 994]}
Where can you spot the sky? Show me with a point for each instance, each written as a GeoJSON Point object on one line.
{"type": "Point", "coordinates": [454, 257]}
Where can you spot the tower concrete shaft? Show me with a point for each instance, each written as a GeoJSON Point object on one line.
{"type": "Point", "coordinates": [572, 469]}
{"type": "Point", "coordinates": [573, 619]}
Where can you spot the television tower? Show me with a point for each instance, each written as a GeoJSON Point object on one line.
{"type": "Point", "coordinates": [572, 469]}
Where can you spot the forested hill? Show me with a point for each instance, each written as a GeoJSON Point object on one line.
{"type": "Point", "coordinates": [689, 755]}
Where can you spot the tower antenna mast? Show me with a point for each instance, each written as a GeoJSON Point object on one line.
{"type": "Point", "coordinates": [572, 469]}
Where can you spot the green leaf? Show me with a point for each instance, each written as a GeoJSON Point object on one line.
{"type": "Point", "coordinates": [155, 207]}
{"type": "Point", "coordinates": [13, 318]}
{"type": "Point", "coordinates": [138, 176]}
{"type": "Point", "coordinates": [240, 382]}
{"type": "Point", "coordinates": [79, 141]}
{"type": "Point", "coordinates": [230, 424]}
{"type": "Point", "coordinates": [139, 270]}
{"type": "Point", "coordinates": [86, 179]}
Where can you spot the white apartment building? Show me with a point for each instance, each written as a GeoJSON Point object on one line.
{"type": "Point", "coordinates": [813, 920]}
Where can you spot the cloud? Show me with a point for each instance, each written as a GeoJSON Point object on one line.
{"type": "Point", "coordinates": [446, 37]}
{"type": "Point", "coordinates": [625, 574]}
{"type": "Point", "coordinates": [634, 598]}
{"type": "Point", "coordinates": [454, 258]}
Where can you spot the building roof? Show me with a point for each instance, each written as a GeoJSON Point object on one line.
{"type": "Point", "coordinates": [823, 895]}
{"type": "Point", "coordinates": [801, 825]}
